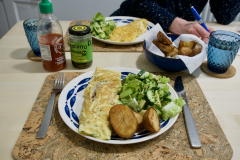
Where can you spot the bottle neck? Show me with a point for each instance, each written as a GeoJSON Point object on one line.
{"type": "Point", "coordinates": [46, 15]}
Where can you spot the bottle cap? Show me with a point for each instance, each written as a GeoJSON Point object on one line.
{"type": "Point", "coordinates": [45, 6]}
{"type": "Point", "coordinates": [79, 30]}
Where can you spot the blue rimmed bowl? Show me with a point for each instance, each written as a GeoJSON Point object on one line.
{"type": "Point", "coordinates": [165, 64]}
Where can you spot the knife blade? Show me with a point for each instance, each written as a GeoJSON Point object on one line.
{"type": "Point", "coordinates": [189, 121]}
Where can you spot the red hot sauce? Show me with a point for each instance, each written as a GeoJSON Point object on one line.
{"type": "Point", "coordinates": [52, 51]}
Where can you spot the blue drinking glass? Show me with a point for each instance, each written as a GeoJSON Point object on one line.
{"type": "Point", "coordinates": [30, 27]}
{"type": "Point", "coordinates": [222, 49]}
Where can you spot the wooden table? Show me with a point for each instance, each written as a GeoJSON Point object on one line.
{"type": "Point", "coordinates": [22, 79]}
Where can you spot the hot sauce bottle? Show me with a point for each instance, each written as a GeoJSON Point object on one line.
{"type": "Point", "coordinates": [50, 38]}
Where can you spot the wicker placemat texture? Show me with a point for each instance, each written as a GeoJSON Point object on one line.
{"type": "Point", "coordinates": [63, 143]}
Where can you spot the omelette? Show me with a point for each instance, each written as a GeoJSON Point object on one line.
{"type": "Point", "coordinates": [129, 32]}
{"type": "Point", "coordinates": [99, 97]}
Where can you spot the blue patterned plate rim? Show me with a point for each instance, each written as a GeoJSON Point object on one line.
{"type": "Point", "coordinates": [71, 99]}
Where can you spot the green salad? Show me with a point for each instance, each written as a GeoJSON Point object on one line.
{"type": "Point", "coordinates": [144, 90]}
{"type": "Point", "coordinates": [101, 28]}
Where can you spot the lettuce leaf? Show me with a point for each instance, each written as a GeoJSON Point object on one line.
{"type": "Point", "coordinates": [180, 102]}
{"type": "Point", "coordinates": [164, 79]}
{"type": "Point", "coordinates": [99, 17]}
{"type": "Point", "coordinates": [170, 110]}
{"type": "Point", "coordinates": [101, 28]}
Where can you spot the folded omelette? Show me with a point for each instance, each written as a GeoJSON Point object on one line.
{"type": "Point", "coordinates": [129, 32]}
{"type": "Point", "coordinates": [100, 95]}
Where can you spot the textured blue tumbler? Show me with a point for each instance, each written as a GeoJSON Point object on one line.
{"type": "Point", "coordinates": [222, 49]}
{"type": "Point", "coordinates": [30, 27]}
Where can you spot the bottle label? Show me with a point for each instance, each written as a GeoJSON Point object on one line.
{"type": "Point", "coordinates": [45, 52]}
{"type": "Point", "coordinates": [81, 52]}
{"type": "Point", "coordinates": [58, 45]}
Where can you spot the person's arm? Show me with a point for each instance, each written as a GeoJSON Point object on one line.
{"type": "Point", "coordinates": [153, 12]}
{"type": "Point", "coordinates": [150, 10]}
{"type": "Point", "coordinates": [225, 11]}
{"type": "Point", "coordinates": [181, 26]}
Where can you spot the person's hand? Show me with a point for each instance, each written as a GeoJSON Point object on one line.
{"type": "Point", "coordinates": [181, 26]}
{"type": "Point", "coordinates": [199, 31]}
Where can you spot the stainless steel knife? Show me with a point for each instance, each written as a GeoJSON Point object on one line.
{"type": "Point", "coordinates": [189, 121]}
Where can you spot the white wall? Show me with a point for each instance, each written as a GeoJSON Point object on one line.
{"type": "Point", "coordinates": [83, 9]}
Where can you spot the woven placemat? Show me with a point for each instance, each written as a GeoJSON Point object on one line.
{"type": "Point", "coordinates": [98, 46]}
{"type": "Point", "coordinates": [230, 72]}
{"type": "Point", "coordinates": [63, 143]}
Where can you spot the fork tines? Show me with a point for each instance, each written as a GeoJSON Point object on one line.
{"type": "Point", "coordinates": [59, 82]}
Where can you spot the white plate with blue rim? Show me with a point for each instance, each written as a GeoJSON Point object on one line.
{"type": "Point", "coordinates": [122, 21]}
{"type": "Point", "coordinates": [71, 101]}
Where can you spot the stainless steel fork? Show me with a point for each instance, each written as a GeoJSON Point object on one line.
{"type": "Point", "coordinates": [58, 86]}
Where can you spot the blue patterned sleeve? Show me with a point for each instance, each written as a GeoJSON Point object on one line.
{"type": "Point", "coordinates": [150, 10]}
{"type": "Point", "coordinates": [225, 11]}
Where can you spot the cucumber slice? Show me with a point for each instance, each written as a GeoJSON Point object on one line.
{"type": "Point", "coordinates": [133, 105]}
{"type": "Point", "coordinates": [158, 102]}
{"type": "Point", "coordinates": [142, 103]}
{"type": "Point", "coordinates": [144, 75]}
{"type": "Point", "coordinates": [95, 30]}
{"type": "Point", "coordinates": [166, 95]}
{"type": "Point", "coordinates": [157, 110]}
{"type": "Point", "coordinates": [102, 35]}
{"type": "Point", "coordinates": [168, 99]}
{"type": "Point", "coordinates": [150, 96]}
{"type": "Point", "coordinates": [141, 73]}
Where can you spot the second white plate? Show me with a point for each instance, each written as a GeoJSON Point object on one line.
{"type": "Point", "coordinates": [122, 21]}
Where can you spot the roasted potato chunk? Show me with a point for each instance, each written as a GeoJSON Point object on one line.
{"type": "Point", "coordinates": [123, 121]}
{"type": "Point", "coordinates": [182, 44]}
{"type": "Point", "coordinates": [163, 39]}
{"type": "Point", "coordinates": [151, 120]}
{"type": "Point", "coordinates": [155, 41]}
{"type": "Point", "coordinates": [158, 44]}
{"type": "Point", "coordinates": [173, 53]}
{"type": "Point", "coordinates": [185, 51]}
{"type": "Point", "coordinates": [189, 48]}
{"type": "Point", "coordinates": [139, 117]}
{"type": "Point", "coordinates": [190, 44]}
{"type": "Point", "coordinates": [196, 50]}
{"type": "Point", "coordinates": [165, 48]}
